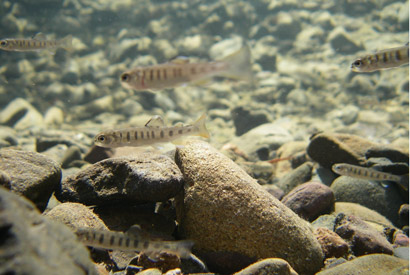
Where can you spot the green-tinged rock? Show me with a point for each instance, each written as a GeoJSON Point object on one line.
{"type": "Point", "coordinates": [375, 264]}
{"type": "Point", "coordinates": [225, 210]}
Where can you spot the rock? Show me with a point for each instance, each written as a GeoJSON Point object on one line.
{"type": "Point", "coordinates": [325, 221]}
{"type": "Point", "coordinates": [342, 42]}
{"type": "Point", "coordinates": [34, 244]}
{"type": "Point", "coordinates": [328, 149]}
{"type": "Point", "coordinates": [310, 200]}
{"type": "Point", "coordinates": [274, 190]}
{"type": "Point", "coordinates": [7, 137]}
{"type": "Point", "coordinates": [245, 119]}
{"type": "Point", "coordinates": [165, 261]}
{"type": "Point", "coordinates": [240, 216]}
{"type": "Point", "coordinates": [268, 266]}
{"type": "Point", "coordinates": [76, 215]}
{"type": "Point", "coordinates": [146, 177]}
{"type": "Point", "coordinates": [150, 271]}
{"type": "Point", "coordinates": [373, 195]}
{"type": "Point", "coordinates": [96, 154]}
{"type": "Point", "coordinates": [362, 238]}
{"type": "Point", "coordinates": [291, 149]}
{"type": "Point", "coordinates": [193, 265]}
{"type": "Point", "coordinates": [258, 142]}
{"type": "Point", "coordinates": [32, 175]}
{"type": "Point", "coordinates": [54, 116]}
{"type": "Point", "coordinates": [364, 213]}
{"type": "Point", "coordinates": [404, 214]}
{"type": "Point", "coordinates": [332, 244]}
{"type": "Point", "coordinates": [20, 114]}
{"type": "Point", "coordinates": [296, 177]}
{"type": "Point", "coordinates": [73, 153]}
{"type": "Point", "coordinates": [370, 264]}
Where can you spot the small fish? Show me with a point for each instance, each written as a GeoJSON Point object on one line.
{"type": "Point", "coordinates": [385, 59]}
{"type": "Point", "coordinates": [132, 240]}
{"type": "Point", "coordinates": [359, 172]}
{"type": "Point", "coordinates": [37, 43]}
{"type": "Point", "coordinates": [179, 71]}
{"type": "Point", "coordinates": [153, 132]}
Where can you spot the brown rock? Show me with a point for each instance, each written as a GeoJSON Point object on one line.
{"type": "Point", "coordinates": [224, 209]}
{"type": "Point", "coordinates": [332, 244]}
{"type": "Point", "coordinates": [268, 266]}
{"type": "Point", "coordinates": [310, 200]}
{"type": "Point", "coordinates": [362, 238]}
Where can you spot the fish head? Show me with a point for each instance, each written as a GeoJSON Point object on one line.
{"type": "Point", "coordinates": [357, 65]}
{"type": "Point", "coordinates": [338, 168]}
{"type": "Point", "coordinates": [132, 80]}
{"type": "Point", "coordinates": [5, 44]}
{"type": "Point", "coordinates": [104, 139]}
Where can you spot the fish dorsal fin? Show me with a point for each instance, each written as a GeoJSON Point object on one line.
{"type": "Point", "coordinates": [180, 60]}
{"type": "Point", "coordinates": [134, 231]}
{"type": "Point", "coordinates": [155, 121]}
{"type": "Point", "coordinates": [39, 36]}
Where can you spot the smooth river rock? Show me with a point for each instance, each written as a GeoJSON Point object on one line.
{"type": "Point", "coordinates": [225, 210]}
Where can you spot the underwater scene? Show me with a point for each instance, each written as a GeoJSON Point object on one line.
{"type": "Point", "coordinates": [204, 137]}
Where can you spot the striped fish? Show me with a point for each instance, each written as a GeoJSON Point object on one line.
{"type": "Point", "coordinates": [115, 240]}
{"type": "Point", "coordinates": [37, 43]}
{"type": "Point", "coordinates": [153, 132]}
{"type": "Point", "coordinates": [365, 173]}
{"type": "Point", "coordinates": [385, 59]}
{"type": "Point", "coordinates": [180, 71]}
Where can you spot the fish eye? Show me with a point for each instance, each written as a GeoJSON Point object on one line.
{"type": "Point", "coordinates": [3, 43]}
{"type": "Point", "coordinates": [125, 77]}
{"type": "Point", "coordinates": [357, 63]}
{"type": "Point", "coordinates": [101, 138]}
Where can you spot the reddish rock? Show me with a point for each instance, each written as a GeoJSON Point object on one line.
{"type": "Point", "coordinates": [332, 244]}
{"type": "Point", "coordinates": [400, 239]}
{"type": "Point", "coordinates": [362, 238]}
{"type": "Point", "coordinates": [310, 200]}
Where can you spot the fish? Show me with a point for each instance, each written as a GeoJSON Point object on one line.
{"type": "Point", "coordinates": [132, 240]}
{"type": "Point", "coordinates": [365, 173]}
{"type": "Point", "coordinates": [180, 71]}
{"type": "Point", "coordinates": [385, 59]}
{"type": "Point", "coordinates": [36, 43]}
{"type": "Point", "coordinates": [153, 132]}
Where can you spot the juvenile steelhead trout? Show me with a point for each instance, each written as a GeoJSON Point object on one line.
{"type": "Point", "coordinates": [114, 240]}
{"type": "Point", "coordinates": [153, 132]}
{"type": "Point", "coordinates": [359, 172]}
{"type": "Point", "coordinates": [37, 43]}
{"type": "Point", "coordinates": [180, 71]}
{"type": "Point", "coordinates": [385, 59]}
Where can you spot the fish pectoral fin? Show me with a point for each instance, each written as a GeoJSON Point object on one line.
{"type": "Point", "coordinates": [180, 60]}
{"type": "Point", "coordinates": [203, 82]}
{"type": "Point", "coordinates": [39, 36]}
{"type": "Point", "coordinates": [155, 121]}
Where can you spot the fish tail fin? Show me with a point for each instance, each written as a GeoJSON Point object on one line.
{"type": "Point", "coordinates": [184, 248]}
{"type": "Point", "coordinates": [66, 43]}
{"type": "Point", "coordinates": [404, 182]}
{"type": "Point", "coordinates": [240, 66]}
{"type": "Point", "coordinates": [200, 125]}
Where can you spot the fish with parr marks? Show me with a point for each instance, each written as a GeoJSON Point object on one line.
{"type": "Point", "coordinates": [179, 71]}
{"type": "Point", "coordinates": [385, 59]}
{"type": "Point", "coordinates": [153, 132]}
{"type": "Point", "coordinates": [37, 43]}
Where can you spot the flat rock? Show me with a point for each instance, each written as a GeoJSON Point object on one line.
{"type": "Point", "coordinates": [362, 238]}
{"type": "Point", "coordinates": [386, 200]}
{"type": "Point", "coordinates": [310, 200]}
{"type": "Point", "coordinates": [34, 244]}
{"type": "Point", "coordinates": [268, 266]}
{"type": "Point", "coordinates": [31, 174]}
{"type": "Point", "coordinates": [224, 209]}
{"type": "Point", "coordinates": [145, 177]}
{"type": "Point", "coordinates": [370, 264]}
